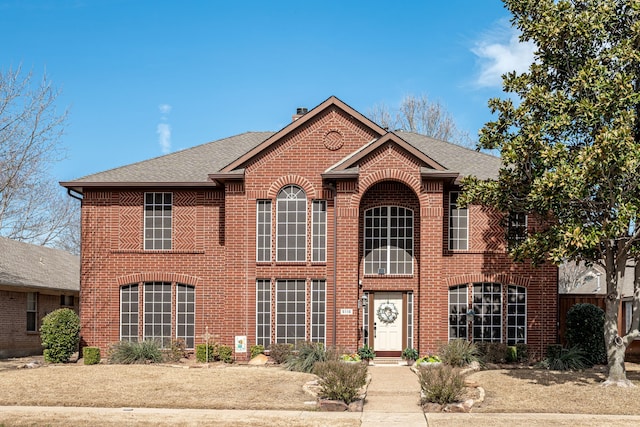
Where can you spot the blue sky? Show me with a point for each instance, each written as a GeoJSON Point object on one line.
{"type": "Point", "coordinates": [142, 78]}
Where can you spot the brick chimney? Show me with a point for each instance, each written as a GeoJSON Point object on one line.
{"type": "Point", "coordinates": [300, 111]}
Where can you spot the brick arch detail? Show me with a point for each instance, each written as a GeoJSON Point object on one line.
{"type": "Point", "coordinates": [292, 180]}
{"type": "Point", "coordinates": [503, 278]}
{"type": "Point", "coordinates": [391, 175]}
{"type": "Point", "coordinates": [157, 276]}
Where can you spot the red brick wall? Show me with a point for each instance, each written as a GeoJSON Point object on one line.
{"type": "Point", "coordinates": [15, 341]}
{"type": "Point", "coordinates": [214, 243]}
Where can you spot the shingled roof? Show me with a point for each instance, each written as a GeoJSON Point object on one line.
{"type": "Point", "coordinates": [195, 166]}
{"type": "Point", "coordinates": [37, 267]}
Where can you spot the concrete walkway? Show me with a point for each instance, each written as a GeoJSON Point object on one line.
{"type": "Point", "coordinates": [393, 398]}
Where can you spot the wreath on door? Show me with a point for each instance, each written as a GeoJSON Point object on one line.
{"type": "Point", "coordinates": [387, 312]}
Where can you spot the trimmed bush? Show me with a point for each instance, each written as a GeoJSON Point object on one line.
{"type": "Point", "coordinates": [256, 350]}
{"type": "Point", "coordinates": [216, 352]}
{"type": "Point", "coordinates": [565, 359]}
{"type": "Point", "coordinates": [339, 380]}
{"type": "Point", "coordinates": [129, 352]}
{"type": "Point", "coordinates": [280, 352]}
{"type": "Point", "coordinates": [307, 355]}
{"type": "Point", "coordinates": [440, 384]}
{"type": "Point", "coordinates": [203, 355]}
{"type": "Point", "coordinates": [60, 335]}
{"type": "Point", "coordinates": [522, 353]}
{"type": "Point", "coordinates": [91, 355]}
{"type": "Point", "coordinates": [225, 353]}
{"type": "Point", "coordinates": [458, 353]}
{"type": "Point", "coordinates": [585, 329]}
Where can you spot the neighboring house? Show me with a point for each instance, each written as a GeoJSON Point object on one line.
{"type": "Point", "coordinates": [331, 230]}
{"type": "Point", "coordinates": [579, 283]}
{"type": "Point", "coordinates": [34, 281]}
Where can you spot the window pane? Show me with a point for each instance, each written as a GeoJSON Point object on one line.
{"type": "Point", "coordinates": [158, 220]}
{"type": "Point", "coordinates": [290, 311]}
{"type": "Point", "coordinates": [291, 228]}
{"type": "Point", "coordinates": [458, 224]}
{"type": "Point", "coordinates": [385, 255]}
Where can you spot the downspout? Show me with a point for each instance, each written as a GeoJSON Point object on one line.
{"type": "Point", "coordinates": [332, 187]}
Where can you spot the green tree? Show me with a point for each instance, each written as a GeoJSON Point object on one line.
{"type": "Point", "coordinates": [569, 137]}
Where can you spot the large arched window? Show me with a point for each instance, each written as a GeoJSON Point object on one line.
{"type": "Point", "coordinates": [291, 229]}
{"type": "Point", "coordinates": [388, 240]}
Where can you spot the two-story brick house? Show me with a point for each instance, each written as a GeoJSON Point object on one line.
{"type": "Point", "coordinates": [332, 229]}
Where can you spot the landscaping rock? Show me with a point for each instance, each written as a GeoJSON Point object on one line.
{"type": "Point", "coordinates": [29, 365]}
{"type": "Point", "coordinates": [260, 359]}
{"type": "Point", "coordinates": [432, 407]}
{"type": "Point", "coordinates": [356, 405]}
{"type": "Point", "coordinates": [332, 405]}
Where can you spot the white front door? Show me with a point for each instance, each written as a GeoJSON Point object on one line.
{"type": "Point", "coordinates": [387, 321]}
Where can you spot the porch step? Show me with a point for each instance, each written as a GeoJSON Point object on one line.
{"type": "Point", "coordinates": [388, 361]}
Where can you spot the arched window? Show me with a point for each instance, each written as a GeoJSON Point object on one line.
{"type": "Point", "coordinates": [291, 228]}
{"type": "Point", "coordinates": [388, 240]}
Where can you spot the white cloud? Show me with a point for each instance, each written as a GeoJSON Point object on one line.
{"type": "Point", "coordinates": [499, 52]}
{"type": "Point", "coordinates": [165, 109]}
{"type": "Point", "coordinates": [164, 130]}
{"type": "Point", "coordinates": [164, 137]}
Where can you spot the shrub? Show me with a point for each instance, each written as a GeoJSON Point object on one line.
{"type": "Point", "coordinates": [429, 358]}
{"type": "Point", "coordinates": [225, 354]}
{"type": "Point", "coordinates": [60, 335]}
{"type": "Point", "coordinates": [128, 352]}
{"type": "Point", "coordinates": [585, 329]}
{"type": "Point", "coordinates": [214, 352]}
{"type": "Point", "coordinates": [564, 359]}
{"type": "Point", "coordinates": [340, 381]}
{"type": "Point", "coordinates": [458, 352]}
{"type": "Point", "coordinates": [205, 353]}
{"type": "Point", "coordinates": [522, 353]}
{"type": "Point", "coordinates": [307, 355]}
{"type": "Point", "coordinates": [493, 352]}
{"type": "Point", "coordinates": [512, 354]}
{"type": "Point", "coordinates": [410, 354]}
{"type": "Point", "coordinates": [366, 353]}
{"type": "Point", "coordinates": [256, 350]}
{"type": "Point", "coordinates": [91, 355]}
{"type": "Point", "coordinates": [176, 352]}
{"type": "Point", "coordinates": [440, 384]}
{"type": "Point", "coordinates": [280, 352]}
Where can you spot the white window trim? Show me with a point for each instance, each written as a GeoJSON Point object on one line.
{"type": "Point", "coordinates": [315, 203]}
{"type": "Point", "coordinates": [120, 318]}
{"type": "Point", "coordinates": [450, 239]}
{"type": "Point", "coordinates": [177, 304]}
{"type": "Point", "coordinates": [322, 339]}
{"type": "Point", "coordinates": [507, 315]}
{"type": "Point", "coordinates": [268, 237]}
{"type": "Point", "coordinates": [388, 247]}
{"type": "Point", "coordinates": [144, 230]}
{"type": "Point", "coordinates": [466, 304]}
{"type": "Point", "coordinates": [266, 282]}
{"type": "Point", "coordinates": [306, 215]}
{"type": "Point", "coordinates": [306, 316]}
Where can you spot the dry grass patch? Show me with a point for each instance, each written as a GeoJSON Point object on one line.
{"type": "Point", "coordinates": [542, 391]}
{"type": "Point", "coordinates": [156, 386]}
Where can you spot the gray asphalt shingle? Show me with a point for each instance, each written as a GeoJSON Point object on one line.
{"type": "Point", "coordinates": [26, 265]}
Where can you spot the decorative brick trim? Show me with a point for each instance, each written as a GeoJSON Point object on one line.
{"type": "Point", "coordinates": [292, 180]}
{"type": "Point", "coordinates": [504, 278]}
{"type": "Point", "coordinates": [157, 276]}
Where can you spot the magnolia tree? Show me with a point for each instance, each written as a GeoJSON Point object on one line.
{"type": "Point", "coordinates": [569, 138]}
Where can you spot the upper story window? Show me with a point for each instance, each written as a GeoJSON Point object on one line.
{"type": "Point", "coordinates": [157, 220]}
{"type": "Point", "coordinates": [291, 224]}
{"type": "Point", "coordinates": [263, 231]}
{"type": "Point", "coordinates": [458, 224]}
{"type": "Point", "coordinates": [517, 228]}
{"type": "Point", "coordinates": [388, 240]}
{"type": "Point", "coordinates": [319, 231]}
